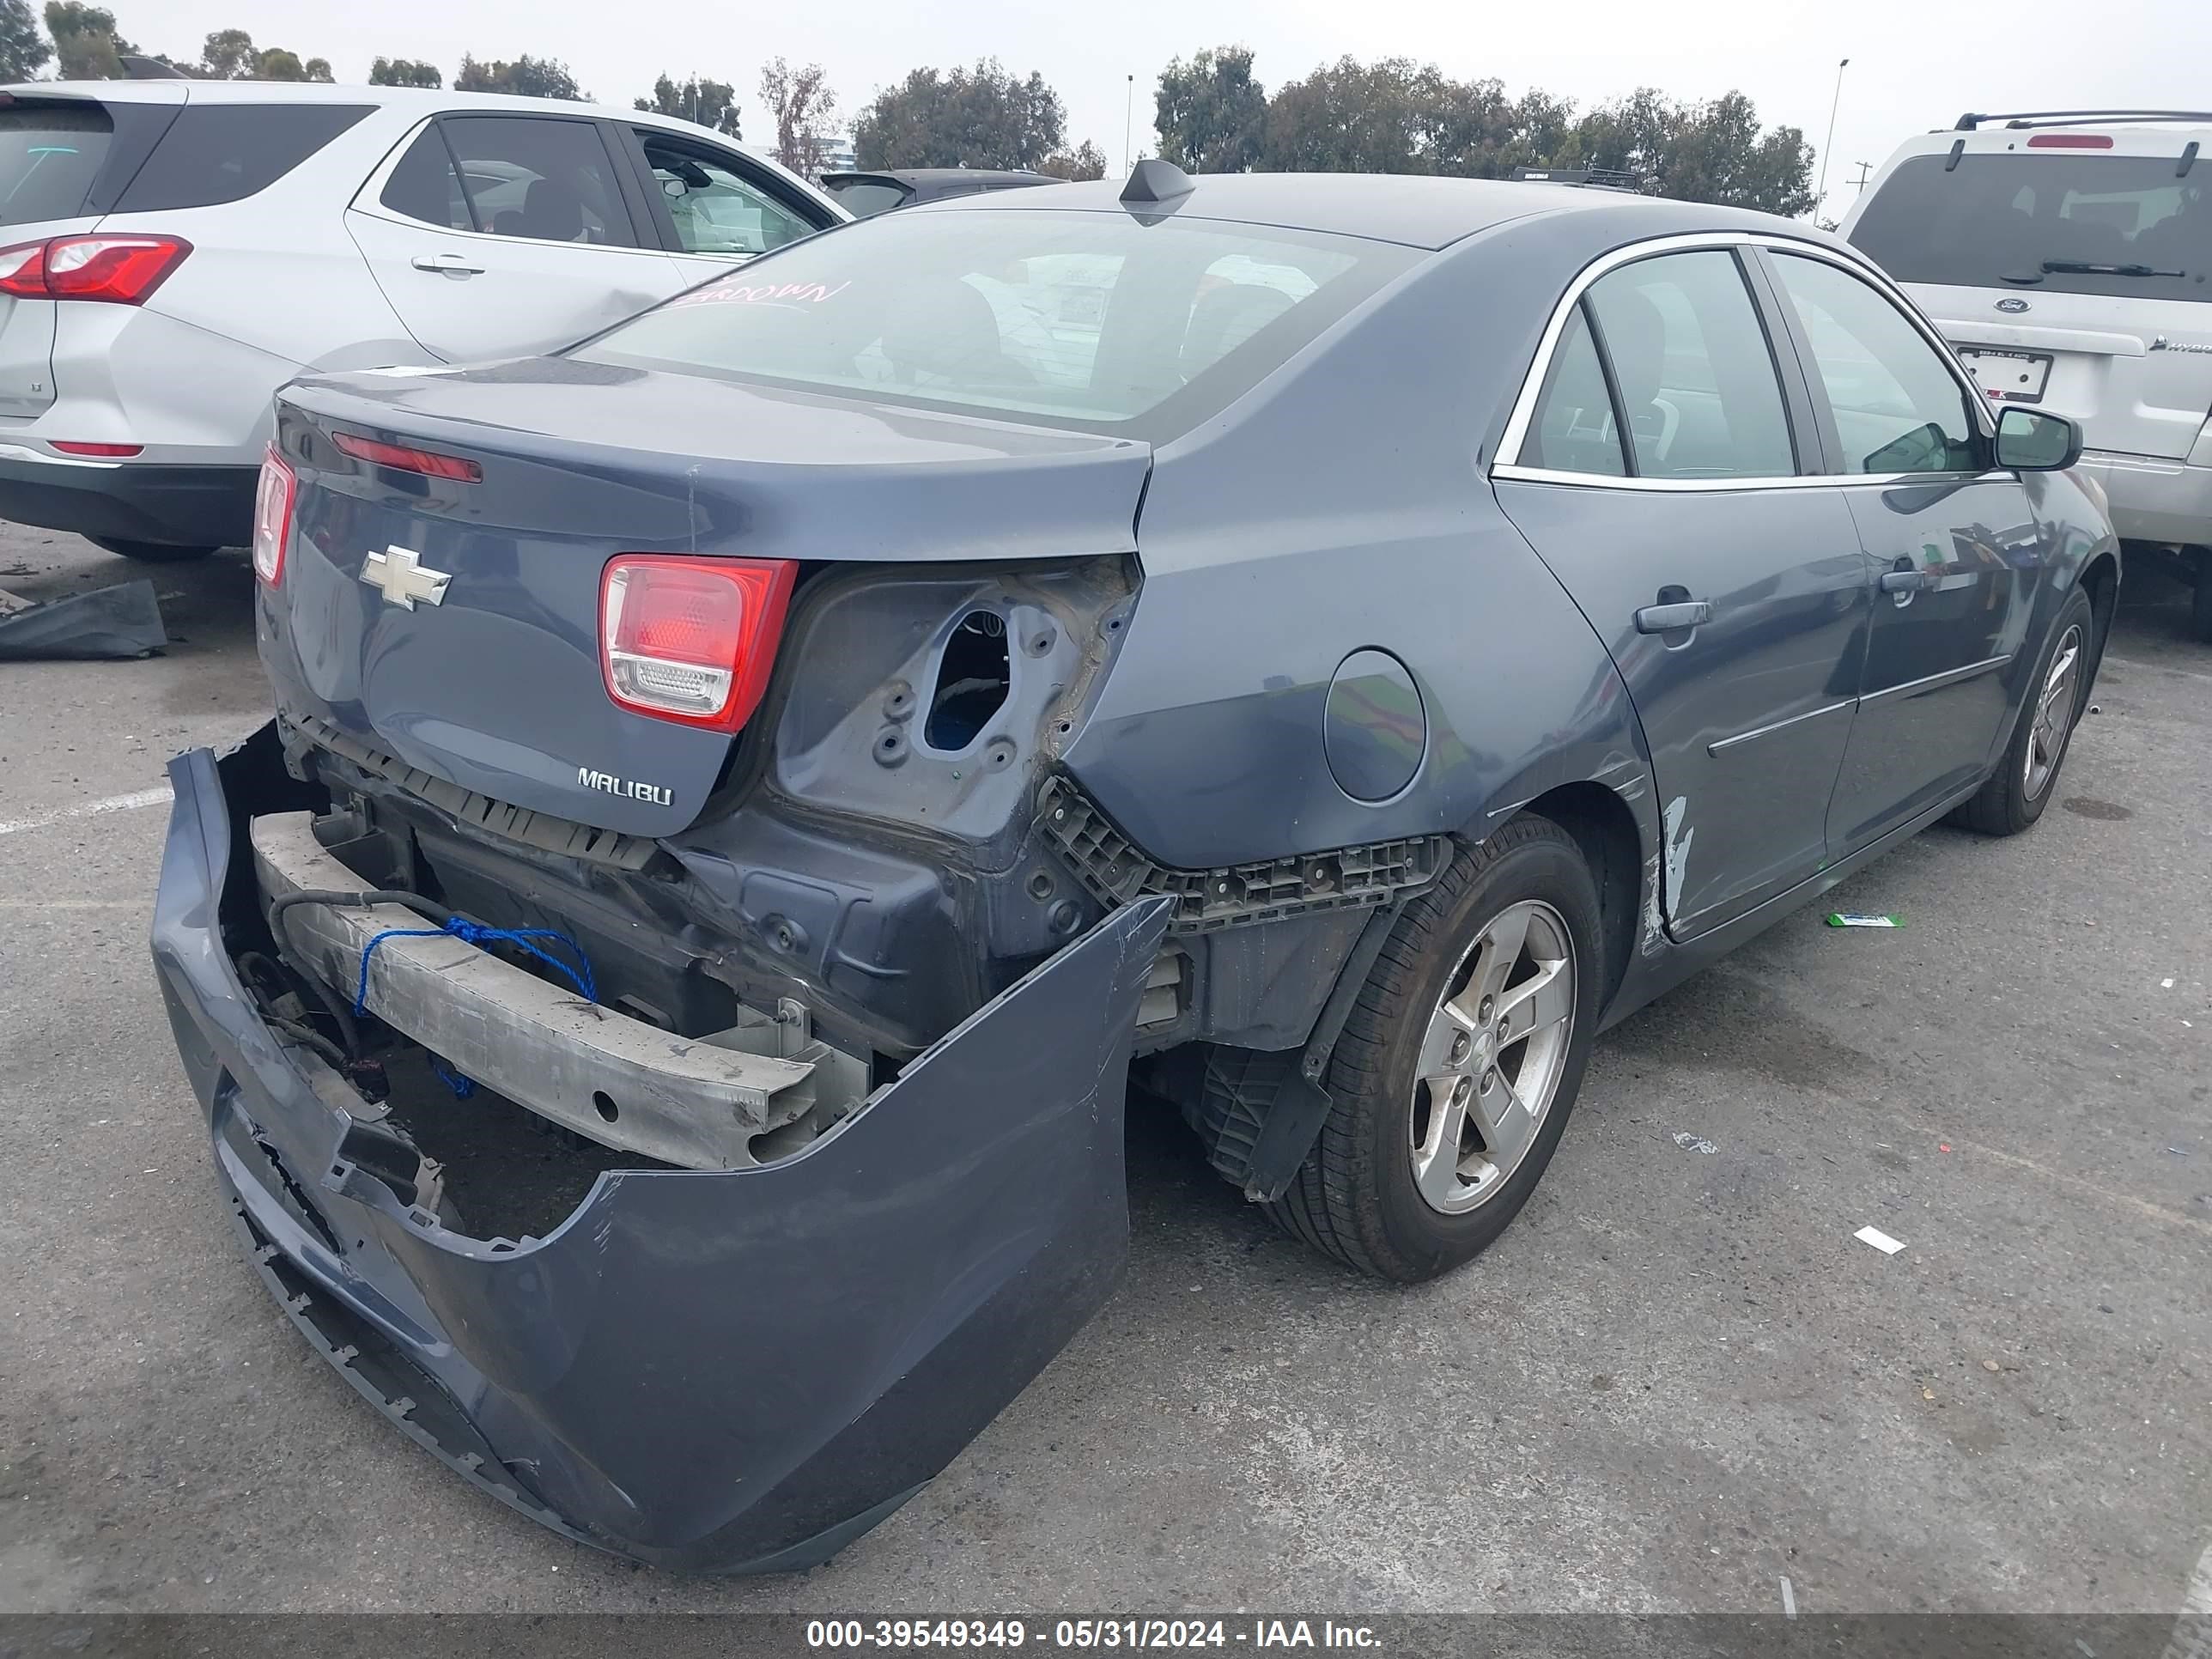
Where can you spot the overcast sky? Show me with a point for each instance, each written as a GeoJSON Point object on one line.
{"type": "Point", "coordinates": [1913, 66]}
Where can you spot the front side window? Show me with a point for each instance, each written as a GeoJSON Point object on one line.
{"type": "Point", "coordinates": [1897, 405]}
{"type": "Point", "coordinates": [715, 211]}
{"type": "Point", "coordinates": [1574, 430]}
{"type": "Point", "coordinates": [1093, 320]}
{"type": "Point", "coordinates": [544, 178]}
{"type": "Point", "coordinates": [1690, 360]}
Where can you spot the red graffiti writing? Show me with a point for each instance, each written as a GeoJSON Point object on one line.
{"type": "Point", "coordinates": [744, 294]}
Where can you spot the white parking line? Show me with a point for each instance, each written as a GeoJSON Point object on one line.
{"type": "Point", "coordinates": [88, 809]}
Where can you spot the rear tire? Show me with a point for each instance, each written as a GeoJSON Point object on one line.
{"type": "Point", "coordinates": [150, 552]}
{"type": "Point", "coordinates": [2200, 600]}
{"type": "Point", "coordinates": [1377, 1192]}
{"type": "Point", "coordinates": [2028, 776]}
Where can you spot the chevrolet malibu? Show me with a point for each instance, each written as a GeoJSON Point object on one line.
{"type": "Point", "coordinates": [745, 790]}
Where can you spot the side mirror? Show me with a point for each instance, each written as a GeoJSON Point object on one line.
{"type": "Point", "coordinates": [2035, 440]}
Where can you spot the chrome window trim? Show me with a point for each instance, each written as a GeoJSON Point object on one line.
{"type": "Point", "coordinates": [1510, 466]}
{"type": "Point", "coordinates": [369, 198]}
{"type": "Point", "coordinates": [1801, 480]}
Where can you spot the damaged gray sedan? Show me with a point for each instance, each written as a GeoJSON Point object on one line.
{"type": "Point", "coordinates": [746, 791]}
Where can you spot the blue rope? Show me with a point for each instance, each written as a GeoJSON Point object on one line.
{"type": "Point", "coordinates": [460, 928]}
{"type": "Point", "coordinates": [463, 1087]}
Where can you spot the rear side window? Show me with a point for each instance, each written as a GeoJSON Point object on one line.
{"type": "Point", "coordinates": [218, 153]}
{"type": "Point", "coordinates": [2130, 227]}
{"type": "Point", "coordinates": [545, 179]}
{"type": "Point", "coordinates": [1897, 408]}
{"type": "Point", "coordinates": [48, 156]}
{"type": "Point", "coordinates": [1574, 430]}
{"type": "Point", "coordinates": [1696, 378]}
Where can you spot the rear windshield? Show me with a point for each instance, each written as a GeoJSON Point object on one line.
{"type": "Point", "coordinates": [863, 196]}
{"type": "Point", "coordinates": [48, 156]}
{"type": "Point", "coordinates": [2125, 225]}
{"type": "Point", "coordinates": [1090, 320]}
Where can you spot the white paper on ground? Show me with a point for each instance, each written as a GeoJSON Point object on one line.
{"type": "Point", "coordinates": [1881, 1240]}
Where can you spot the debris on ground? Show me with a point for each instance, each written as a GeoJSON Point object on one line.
{"type": "Point", "coordinates": [1847, 918]}
{"type": "Point", "coordinates": [2166, 985]}
{"type": "Point", "coordinates": [1881, 1240]}
{"type": "Point", "coordinates": [1690, 1143]}
{"type": "Point", "coordinates": [106, 624]}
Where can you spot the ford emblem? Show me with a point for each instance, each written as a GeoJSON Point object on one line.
{"type": "Point", "coordinates": [2012, 303]}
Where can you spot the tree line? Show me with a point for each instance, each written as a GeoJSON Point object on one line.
{"type": "Point", "coordinates": [1211, 114]}
{"type": "Point", "coordinates": [1399, 115]}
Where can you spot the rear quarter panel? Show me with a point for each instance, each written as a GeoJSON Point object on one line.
{"type": "Point", "coordinates": [1345, 505]}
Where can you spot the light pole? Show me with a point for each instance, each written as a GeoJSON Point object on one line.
{"type": "Point", "coordinates": [1129, 101]}
{"type": "Point", "coordinates": [1821, 196]}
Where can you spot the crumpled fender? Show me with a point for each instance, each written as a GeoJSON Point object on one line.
{"type": "Point", "coordinates": [719, 1370]}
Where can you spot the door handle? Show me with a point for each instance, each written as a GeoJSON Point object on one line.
{"type": "Point", "coordinates": [446, 264]}
{"type": "Point", "coordinates": [1672, 615]}
{"type": "Point", "coordinates": [1904, 578]}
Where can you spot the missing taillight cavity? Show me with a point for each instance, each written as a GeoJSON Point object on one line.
{"type": "Point", "coordinates": [972, 681]}
{"type": "Point", "coordinates": [402, 459]}
{"type": "Point", "coordinates": [691, 640]}
{"type": "Point", "coordinates": [273, 517]}
{"type": "Point", "coordinates": [119, 269]}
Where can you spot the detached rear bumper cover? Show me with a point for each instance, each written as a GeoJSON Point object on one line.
{"type": "Point", "coordinates": [720, 1372]}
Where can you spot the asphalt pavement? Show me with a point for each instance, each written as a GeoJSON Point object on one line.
{"type": "Point", "coordinates": [1677, 1381]}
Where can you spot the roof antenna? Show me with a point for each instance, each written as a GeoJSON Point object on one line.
{"type": "Point", "coordinates": [1154, 182]}
{"type": "Point", "coordinates": [149, 69]}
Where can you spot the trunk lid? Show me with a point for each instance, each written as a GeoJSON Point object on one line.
{"type": "Point", "coordinates": [495, 687]}
{"type": "Point", "coordinates": [2136, 374]}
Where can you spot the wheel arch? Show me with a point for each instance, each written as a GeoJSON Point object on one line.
{"type": "Point", "coordinates": [2100, 579]}
{"type": "Point", "coordinates": [1604, 826]}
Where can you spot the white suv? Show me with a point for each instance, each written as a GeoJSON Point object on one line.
{"type": "Point", "coordinates": [172, 252]}
{"type": "Point", "coordinates": [2068, 256]}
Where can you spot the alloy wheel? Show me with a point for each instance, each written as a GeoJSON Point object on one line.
{"type": "Point", "coordinates": [2054, 710]}
{"type": "Point", "coordinates": [1492, 1058]}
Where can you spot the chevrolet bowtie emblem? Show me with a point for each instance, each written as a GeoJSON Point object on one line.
{"type": "Point", "coordinates": [403, 578]}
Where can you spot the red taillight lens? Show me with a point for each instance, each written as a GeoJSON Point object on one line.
{"type": "Point", "coordinates": [273, 517]}
{"type": "Point", "coordinates": [23, 271]}
{"type": "Point", "coordinates": [404, 460]}
{"type": "Point", "coordinates": [691, 640]}
{"type": "Point", "coordinates": [2069, 140]}
{"type": "Point", "coordinates": [105, 451]}
{"type": "Point", "coordinates": [120, 269]}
